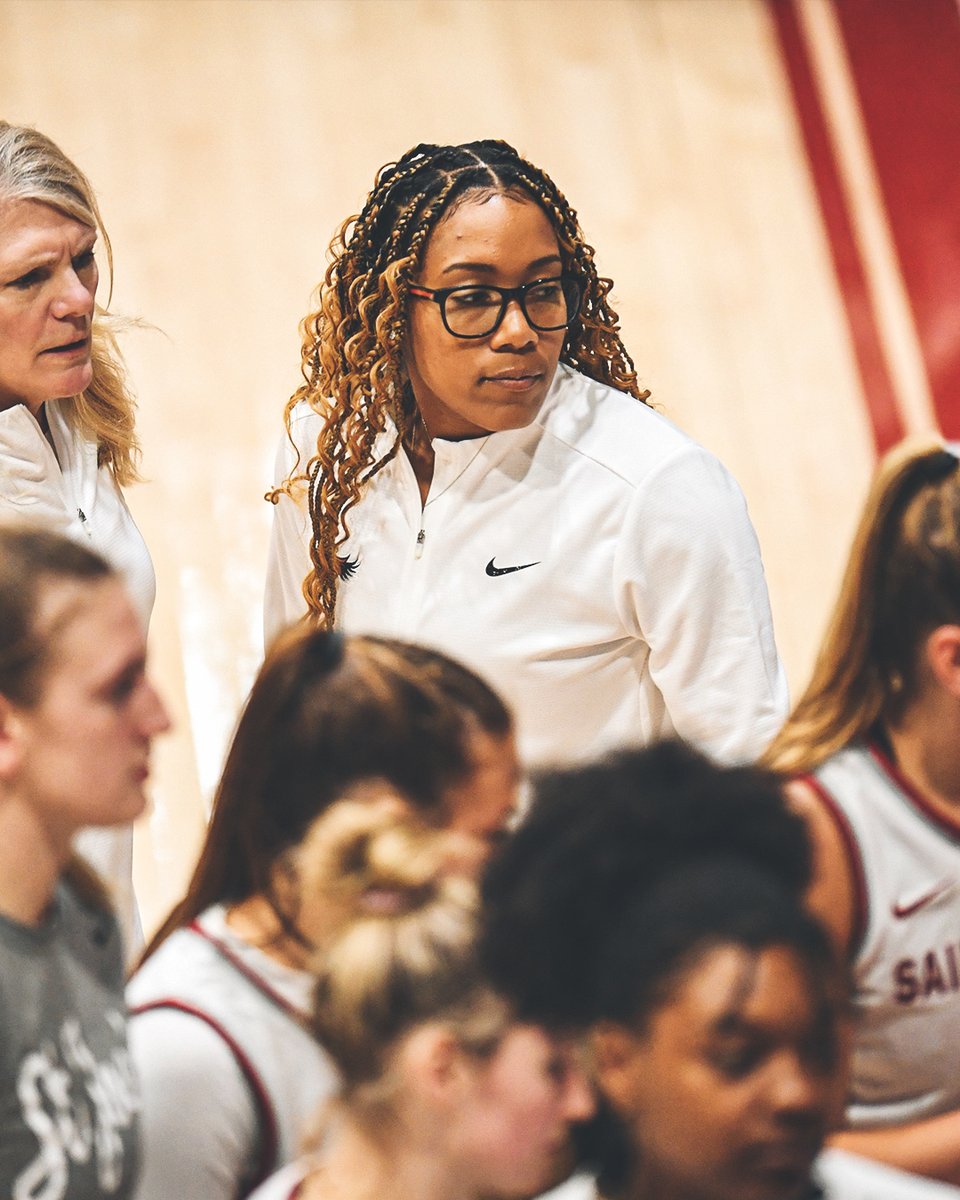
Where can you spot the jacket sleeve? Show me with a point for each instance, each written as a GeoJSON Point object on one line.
{"type": "Point", "coordinates": [288, 558]}
{"type": "Point", "coordinates": [31, 485]}
{"type": "Point", "coordinates": [690, 583]}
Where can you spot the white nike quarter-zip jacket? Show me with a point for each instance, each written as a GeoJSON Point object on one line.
{"type": "Point", "coordinates": [598, 567]}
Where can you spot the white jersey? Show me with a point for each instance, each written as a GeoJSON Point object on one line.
{"type": "Point", "coordinates": [905, 861]}
{"type": "Point", "coordinates": [597, 566]}
{"type": "Point", "coordinates": [286, 1183]}
{"type": "Point", "coordinates": [67, 493]}
{"type": "Point", "coordinates": [836, 1175]}
{"type": "Point", "coordinates": [230, 1075]}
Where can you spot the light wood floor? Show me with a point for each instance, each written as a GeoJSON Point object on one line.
{"type": "Point", "coordinates": [227, 138]}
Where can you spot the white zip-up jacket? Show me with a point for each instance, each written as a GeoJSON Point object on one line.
{"type": "Point", "coordinates": [598, 567]}
{"type": "Point", "coordinates": [69, 494]}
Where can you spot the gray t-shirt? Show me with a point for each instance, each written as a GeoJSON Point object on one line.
{"type": "Point", "coordinates": [68, 1099]}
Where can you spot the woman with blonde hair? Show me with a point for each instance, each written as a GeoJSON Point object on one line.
{"type": "Point", "coordinates": [229, 1068]}
{"type": "Point", "coordinates": [471, 463]}
{"type": "Point", "coordinates": [444, 1095]}
{"type": "Point", "coordinates": [77, 718]}
{"type": "Point", "coordinates": [873, 747]}
{"type": "Point", "coordinates": [67, 437]}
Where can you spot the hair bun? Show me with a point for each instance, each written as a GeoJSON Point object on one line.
{"type": "Point", "coordinates": [369, 856]}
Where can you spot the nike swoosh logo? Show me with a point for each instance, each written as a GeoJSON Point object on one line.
{"type": "Point", "coordinates": [492, 570]}
{"type": "Point", "coordinates": [907, 910]}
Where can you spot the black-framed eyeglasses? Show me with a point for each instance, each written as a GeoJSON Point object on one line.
{"type": "Point", "coordinates": [475, 310]}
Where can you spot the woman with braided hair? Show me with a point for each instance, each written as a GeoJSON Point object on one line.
{"type": "Point", "coordinates": [470, 463]}
{"type": "Point", "coordinates": [874, 751]}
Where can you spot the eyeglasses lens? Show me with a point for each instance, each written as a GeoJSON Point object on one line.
{"type": "Point", "coordinates": [548, 304]}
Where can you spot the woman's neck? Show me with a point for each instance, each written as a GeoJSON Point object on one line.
{"type": "Point", "coordinates": [43, 420]}
{"type": "Point", "coordinates": [31, 861]}
{"type": "Point", "coordinates": [392, 1166]}
{"type": "Point", "coordinates": [255, 921]}
{"type": "Point", "coordinates": [418, 447]}
{"type": "Point", "coordinates": [925, 743]}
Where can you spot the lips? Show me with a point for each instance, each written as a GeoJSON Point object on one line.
{"type": "Point", "coordinates": [74, 347]}
{"type": "Point", "coordinates": [515, 381]}
{"type": "Point", "coordinates": [516, 376]}
{"type": "Point", "coordinates": [792, 1156]}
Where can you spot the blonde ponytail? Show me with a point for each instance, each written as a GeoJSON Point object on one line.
{"type": "Point", "coordinates": [394, 919]}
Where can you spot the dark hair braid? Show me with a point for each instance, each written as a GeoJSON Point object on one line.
{"type": "Point", "coordinates": [352, 347]}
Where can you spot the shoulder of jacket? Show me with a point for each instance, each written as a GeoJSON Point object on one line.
{"type": "Point", "coordinates": [617, 432]}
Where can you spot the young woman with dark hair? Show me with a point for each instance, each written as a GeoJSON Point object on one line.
{"type": "Point", "coordinates": [665, 921]}
{"type": "Point", "coordinates": [229, 1067]}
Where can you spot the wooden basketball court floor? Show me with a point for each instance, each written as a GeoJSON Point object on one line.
{"type": "Point", "coordinates": [227, 138]}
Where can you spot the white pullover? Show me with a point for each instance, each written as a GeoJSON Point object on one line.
{"type": "Point", "coordinates": [598, 567]}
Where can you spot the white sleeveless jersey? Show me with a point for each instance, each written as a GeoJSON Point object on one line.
{"type": "Point", "coordinates": [204, 972]}
{"type": "Point", "coordinates": [905, 861]}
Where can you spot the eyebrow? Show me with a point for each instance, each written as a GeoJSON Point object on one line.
{"type": "Point", "coordinates": [32, 262]}
{"type": "Point", "coordinates": [490, 268]}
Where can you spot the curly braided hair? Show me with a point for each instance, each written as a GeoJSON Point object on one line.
{"type": "Point", "coordinates": [352, 344]}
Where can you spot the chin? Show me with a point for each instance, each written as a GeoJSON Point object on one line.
{"type": "Point", "coordinates": [129, 808]}
{"type": "Point", "coordinates": [516, 419]}
{"type": "Point", "coordinates": [72, 383]}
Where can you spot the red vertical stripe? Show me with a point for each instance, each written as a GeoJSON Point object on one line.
{"type": "Point", "coordinates": [905, 58]}
{"type": "Point", "coordinates": [877, 386]}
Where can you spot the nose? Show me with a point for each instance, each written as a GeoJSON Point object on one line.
{"type": "Point", "coordinates": [798, 1090]}
{"type": "Point", "coordinates": [153, 715]}
{"type": "Point", "coordinates": [579, 1100]}
{"type": "Point", "coordinates": [75, 297]}
{"type": "Point", "coordinates": [514, 331]}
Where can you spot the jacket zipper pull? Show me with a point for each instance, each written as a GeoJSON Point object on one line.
{"type": "Point", "coordinates": [421, 538]}
{"type": "Point", "coordinates": [82, 515]}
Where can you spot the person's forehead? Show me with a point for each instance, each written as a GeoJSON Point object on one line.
{"type": "Point", "coordinates": [90, 627]}
{"type": "Point", "coordinates": [23, 221]}
{"type": "Point", "coordinates": [735, 988]}
{"type": "Point", "coordinates": [482, 223]}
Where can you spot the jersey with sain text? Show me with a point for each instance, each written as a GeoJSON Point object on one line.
{"type": "Point", "coordinates": [905, 861]}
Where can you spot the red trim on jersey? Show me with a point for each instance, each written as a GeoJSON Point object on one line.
{"type": "Point", "coordinates": [914, 796]}
{"type": "Point", "coordinates": [851, 848]}
{"type": "Point", "coordinates": [269, 1139]}
{"type": "Point", "coordinates": [848, 264]}
{"type": "Point", "coordinates": [248, 972]}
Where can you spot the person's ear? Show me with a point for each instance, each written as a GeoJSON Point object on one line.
{"type": "Point", "coordinates": [614, 1049]}
{"type": "Point", "coordinates": [11, 742]}
{"type": "Point", "coordinates": [942, 652]}
{"type": "Point", "coordinates": [436, 1062]}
